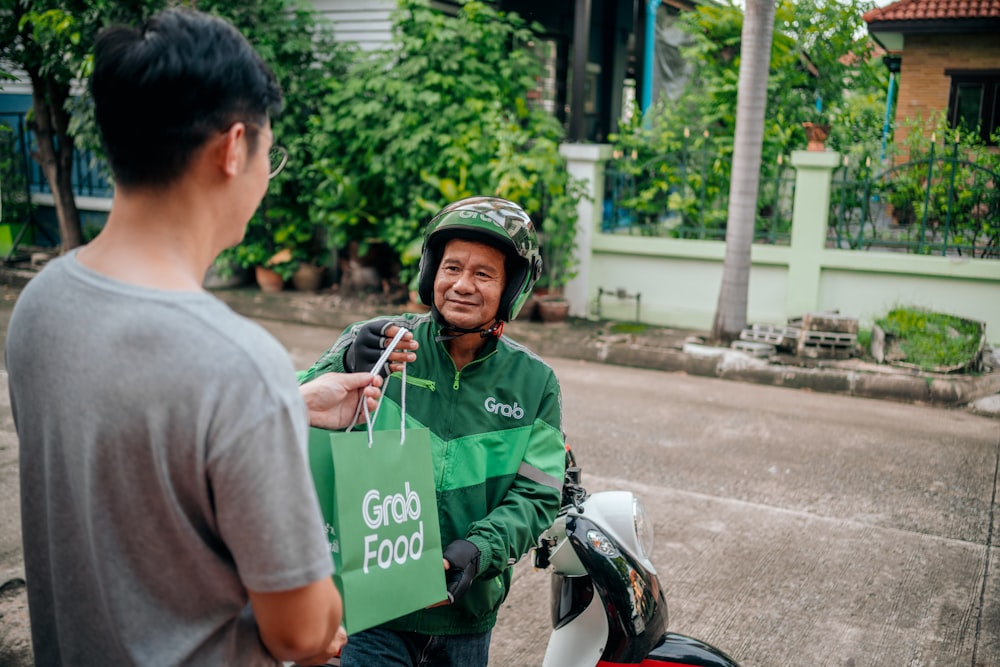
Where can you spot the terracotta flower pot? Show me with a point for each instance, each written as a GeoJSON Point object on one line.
{"type": "Point", "coordinates": [307, 278]}
{"type": "Point", "coordinates": [816, 134]}
{"type": "Point", "coordinates": [268, 280]}
{"type": "Point", "coordinates": [553, 310]}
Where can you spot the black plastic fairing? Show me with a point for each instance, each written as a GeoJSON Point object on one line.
{"type": "Point", "coordinates": [678, 649]}
{"type": "Point", "coordinates": [631, 594]}
{"type": "Point", "coordinates": [570, 596]}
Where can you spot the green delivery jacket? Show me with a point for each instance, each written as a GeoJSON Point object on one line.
{"type": "Point", "coordinates": [498, 453]}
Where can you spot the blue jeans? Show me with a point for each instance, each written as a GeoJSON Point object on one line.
{"type": "Point", "coordinates": [379, 647]}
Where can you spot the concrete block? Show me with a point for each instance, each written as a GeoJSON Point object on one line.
{"type": "Point", "coordinates": [784, 337]}
{"type": "Point", "coordinates": [753, 348]}
{"type": "Point", "coordinates": [829, 322]}
{"type": "Point", "coordinates": [826, 344]}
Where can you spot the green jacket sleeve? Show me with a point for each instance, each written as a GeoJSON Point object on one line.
{"type": "Point", "coordinates": [332, 361]}
{"type": "Point", "coordinates": [532, 502]}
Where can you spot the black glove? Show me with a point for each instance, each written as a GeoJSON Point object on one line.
{"type": "Point", "coordinates": [369, 344]}
{"type": "Point", "coordinates": [464, 558]}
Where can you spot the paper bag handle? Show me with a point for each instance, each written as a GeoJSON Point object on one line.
{"type": "Point", "coordinates": [363, 403]}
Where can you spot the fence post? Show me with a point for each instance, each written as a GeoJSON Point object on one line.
{"type": "Point", "coordinates": [585, 162]}
{"type": "Point", "coordinates": [810, 217]}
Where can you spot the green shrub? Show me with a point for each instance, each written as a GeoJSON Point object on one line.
{"type": "Point", "coordinates": [944, 195]}
{"type": "Point", "coordinates": [301, 50]}
{"type": "Point", "coordinates": [440, 113]}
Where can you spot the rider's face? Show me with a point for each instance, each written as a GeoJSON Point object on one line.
{"type": "Point", "coordinates": [469, 283]}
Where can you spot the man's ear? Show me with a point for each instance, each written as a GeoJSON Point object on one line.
{"type": "Point", "coordinates": [232, 150]}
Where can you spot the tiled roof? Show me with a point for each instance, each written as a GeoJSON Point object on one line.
{"type": "Point", "coordinates": [935, 10]}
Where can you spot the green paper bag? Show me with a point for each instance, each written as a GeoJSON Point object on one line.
{"type": "Point", "coordinates": [380, 510]}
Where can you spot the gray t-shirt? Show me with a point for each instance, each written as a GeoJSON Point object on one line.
{"type": "Point", "coordinates": [163, 472]}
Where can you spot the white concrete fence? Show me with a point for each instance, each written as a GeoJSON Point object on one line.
{"type": "Point", "coordinates": [679, 279]}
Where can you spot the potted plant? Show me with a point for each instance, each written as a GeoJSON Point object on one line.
{"type": "Point", "coordinates": [816, 135]}
{"type": "Point", "coordinates": [817, 125]}
{"type": "Point", "coordinates": [559, 261]}
{"type": "Point", "coordinates": [282, 248]}
{"type": "Point", "coordinates": [257, 253]}
{"type": "Point", "coordinates": [308, 277]}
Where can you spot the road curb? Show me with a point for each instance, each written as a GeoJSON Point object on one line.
{"type": "Point", "coordinates": [909, 387]}
{"type": "Point", "coordinates": [657, 348]}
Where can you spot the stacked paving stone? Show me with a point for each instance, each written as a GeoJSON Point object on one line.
{"type": "Point", "coordinates": [827, 336]}
{"type": "Point", "coordinates": [816, 336]}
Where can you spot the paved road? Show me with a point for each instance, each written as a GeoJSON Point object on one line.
{"type": "Point", "coordinates": [792, 528]}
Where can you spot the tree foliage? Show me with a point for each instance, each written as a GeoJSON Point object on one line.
{"type": "Point", "coordinates": [53, 42]}
{"type": "Point", "coordinates": [821, 59]}
{"type": "Point", "coordinates": [441, 113]}
{"type": "Point", "coordinates": [49, 41]}
{"type": "Point", "coordinates": [820, 52]}
{"type": "Point", "coordinates": [301, 50]}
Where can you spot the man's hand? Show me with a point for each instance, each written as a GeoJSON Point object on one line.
{"type": "Point", "coordinates": [332, 398]}
{"type": "Point", "coordinates": [332, 651]}
{"type": "Point", "coordinates": [369, 344]}
{"type": "Point", "coordinates": [302, 624]}
{"type": "Point", "coordinates": [461, 564]}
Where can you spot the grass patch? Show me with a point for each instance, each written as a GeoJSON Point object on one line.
{"type": "Point", "coordinates": [628, 327]}
{"type": "Point", "coordinates": [932, 340]}
{"type": "Point", "coordinates": [865, 339]}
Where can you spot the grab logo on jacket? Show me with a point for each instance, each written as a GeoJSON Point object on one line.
{"type": "Point", "coordinates": [495, 407]}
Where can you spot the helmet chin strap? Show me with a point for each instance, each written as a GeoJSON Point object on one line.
{"type": "Point", "coordinates": [495, 329]}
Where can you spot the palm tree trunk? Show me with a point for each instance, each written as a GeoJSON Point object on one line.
{"type": "Point", "coordinates": [751, 100]}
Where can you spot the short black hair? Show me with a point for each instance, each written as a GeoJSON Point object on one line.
{"type": "Point", "coordinates": [162, 90]}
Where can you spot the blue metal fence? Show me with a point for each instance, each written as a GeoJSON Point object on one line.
{"type": "Point", "coordinates": [15, 193]}
{"type": "Point", "coordinates": [686, 195]}
{"type": "Point", "coordinates": [90, 175]}
{"type": "Point", "coordinates": [939, 203]}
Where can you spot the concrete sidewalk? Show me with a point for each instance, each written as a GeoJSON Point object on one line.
{"type": "Point", "coordinates": [655, 348]}
{"type": "Point", "coordinates": [661, 348]}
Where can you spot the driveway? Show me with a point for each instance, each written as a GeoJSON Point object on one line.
{"type": "Point", "coordinates": [792, 528]}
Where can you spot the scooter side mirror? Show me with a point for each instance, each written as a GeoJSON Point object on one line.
{"type": "Point", "coordinates": [572, 476]}
{"type": "Point", "coordinates": [573, 493]}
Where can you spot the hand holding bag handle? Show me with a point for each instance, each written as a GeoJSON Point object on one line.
{"type": "Point", "coordinates": [375, 371]}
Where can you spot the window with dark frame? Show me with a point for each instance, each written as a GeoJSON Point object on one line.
{"type": "Point", "coordinates": [974, 101]}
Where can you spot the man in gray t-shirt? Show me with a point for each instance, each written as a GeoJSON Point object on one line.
{"type": "Point", "coordinates": [168, 514]}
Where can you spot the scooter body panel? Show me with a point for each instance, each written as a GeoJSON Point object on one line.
{"type": "Point", "coordinates": [677, 649]}
{"type": "Point", "coordinates": [608, 609]}
{"type": "Point", "coordinates": [579, 641]}
{"type": "Point", "coordinates": [613, 513]}
{"type": "Point", "coordinates": [634, 608]}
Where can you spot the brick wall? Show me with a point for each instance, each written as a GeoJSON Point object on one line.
{"type": "Point", "coordinates": [923, 85]}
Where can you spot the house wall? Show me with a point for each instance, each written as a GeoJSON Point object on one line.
{"type": "Point", "coordinates": [366, 22]}
{"type": "Point", "coordinates": [923, 84]}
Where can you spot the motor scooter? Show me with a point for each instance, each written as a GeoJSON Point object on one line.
{"type": "Point", "coordinates": [607, 604]}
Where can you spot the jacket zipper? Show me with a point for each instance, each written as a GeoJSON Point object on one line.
{"type": "Point", "coordinates": [430, 385]}
{"type": "Point", "coordinates": [458, 373]}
